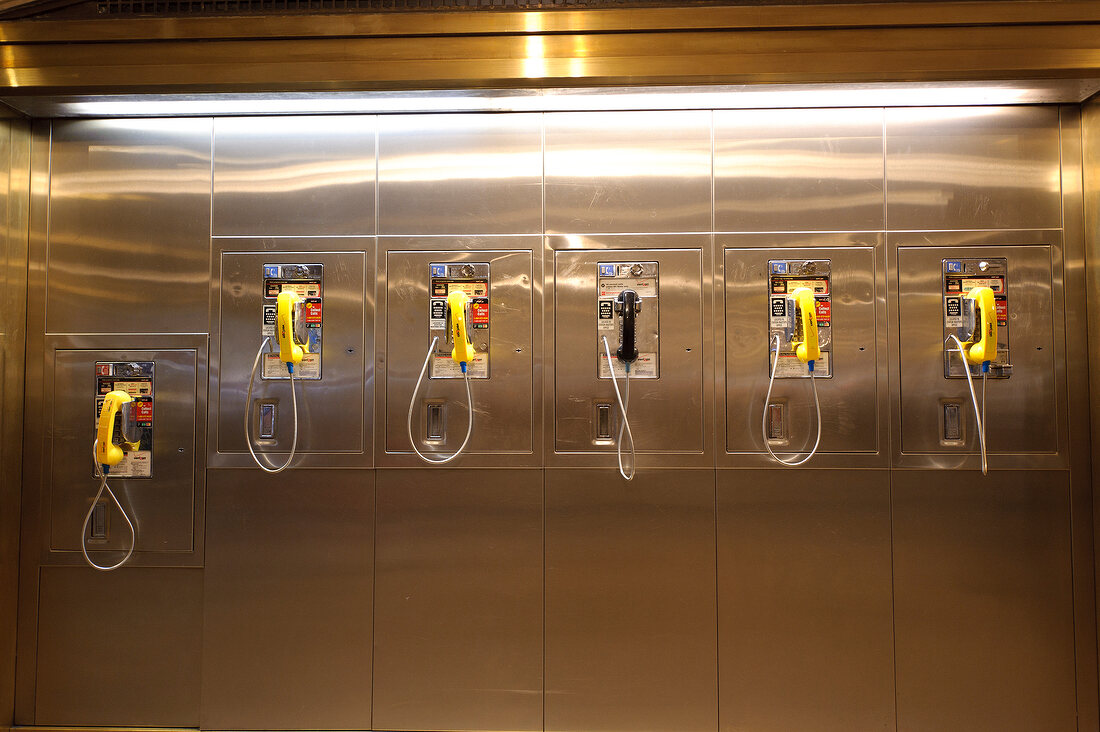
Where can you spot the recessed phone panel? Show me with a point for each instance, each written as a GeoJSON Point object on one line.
{"type": "Point", "coordinates": [643, 278]}
{"type": "Point", "coordinates": [1023, 413]}
{"type": "Point", "coordinates": [784, 319]}
{"type": "Point", "coordinates": [960, 319]}
{"type": "Point", "coordinates": [333, 428]}
{"type": "Point", "coordinates": [473, 279]}
{"type": "Point", "coordinates": [134, 421]}
{"type": "Point", "coordinates": [307, 281]}
{"type": "Point", "coordinates": [157, 482]}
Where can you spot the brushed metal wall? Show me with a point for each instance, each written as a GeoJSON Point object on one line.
{"type": "Point", "coordinates": [1090, 143]}
{"type": "Point", "coordinates": [15, 193]}
{"type": "Point", "coordinates": [885, 585]}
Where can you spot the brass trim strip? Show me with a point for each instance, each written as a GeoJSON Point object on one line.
{"type": "Point", "coordinates": [888, 15]}
{"type": "Point", "coordinates": [732, 57]}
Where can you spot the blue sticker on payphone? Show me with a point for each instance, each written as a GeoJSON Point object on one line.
{"type": "Point", "coordinates": [607, 270]}
{"type": "Point", "coordinates": [954, 266]}
{"type": "Point", "coordinates": [439, 270]}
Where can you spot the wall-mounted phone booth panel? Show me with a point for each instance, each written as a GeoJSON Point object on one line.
{"type": "Point", "coordinates": [333, 382]}
{"type": "Point", "coordinates": [758, 281]}
{"type": "Point", "coordinates": [499, 319]}
{"type": "Point", "coordinates": [666, 387]}
{"type": "Point", "coordinates": [156, 482]}
{"type": "Point", "coordinates": [1023, 411]}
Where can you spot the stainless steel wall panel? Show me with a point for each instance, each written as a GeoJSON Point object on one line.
{"type": "Point", "coordinates": [972, 168]}
{"type": "Point", "coordinates": [628, 172]}
{"type": "Point", "coordinates": [460, 174]}
{"type": "Point", "coordinates": [668, 415]}
{"type": "Point", "coordinates": [119, 648]}
{"type": "Point", "coordinates": [805, 622]}
{"type": "Point", "coordinates": [631, 631]}
{"type": "Point", "coordinates": [334, 412]}
{"type": "Point", "coordinates": [459, 600]}
{"type": "Point", "coordinates": [34, 531]}
{"type": "Point", "coordinates": [1077, 375]}
{"type": "Point", "coordinates": [164, 506]}
{"type": "Point", "coordinates": [983, 601]}
{"type": "Point", "coordinates": [287, 599]}
{"type": "Point", "coordinates": [1026, 413]}
{"type": "Point", "coordinates": [294, 176]}
{"type": "Point", "coordinates": [129, 226]}
{"type": "Point", "coordinates": [853, 398]}
{"type": "Point", "coordinates": [15, 204]}
{"type": "Point", "coordinates": [507, 405]}
{"type": "Point", "coordinates": [799, 170]}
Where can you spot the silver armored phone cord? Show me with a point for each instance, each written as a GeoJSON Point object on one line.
{"type": "Point", "coordinates": [99, 473]}
{"type": "Point", "coordinates": [979, 414]}
{"type": "Point", "coordinates": [626, 422]}
{"type": "Point", "coordinates": [412, 404]}
{"type": "Point", "coordinates": [764, 420]}
{"type": "Point", "coordinates": [248, 414]}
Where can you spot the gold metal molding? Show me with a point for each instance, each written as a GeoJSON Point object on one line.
{"type": "Point", "coordinates": [417, 50]}
{"type": "Point", "coordinates": [924, 53]}
{"type": "Point", "coordinates": [533, 22]}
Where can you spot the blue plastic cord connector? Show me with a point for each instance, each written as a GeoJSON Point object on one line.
{"type": "Point", "coordinates": [462, 365]}
{"type": "Point", "coordinates": [985, 367]}
{"type": "Point", "coordinates": [290, 367]}
{"type": "Point", "coordinates": [810, 365]}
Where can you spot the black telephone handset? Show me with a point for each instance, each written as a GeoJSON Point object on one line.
{"type": "Point", "coordinates": [627, 305]}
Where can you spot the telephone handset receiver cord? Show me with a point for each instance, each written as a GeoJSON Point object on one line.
{"type": "Point", "coordinates": [767, 400]}
{"type": "Point", "coordinates": [622, 406]}
{"type": "Point", "coordinates": [101, 473]}
{"type": "Point", "coordinates": [412, 405]}
{"type": "Point", "coordinates": [248, 415]}
{"type": "Point", "coordinates": [979, 415]}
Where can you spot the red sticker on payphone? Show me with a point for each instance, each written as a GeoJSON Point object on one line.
{"type": "Point", "coordinates": [313, 313]}
{"type": "Point", "coordinates": [143, 411]}
{"type": "Point", "coordinates": [479, 313]}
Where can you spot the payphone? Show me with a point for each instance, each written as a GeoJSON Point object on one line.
{"type": "Point", "coordinates": [123, 445]}
{"type": "Point", "coordinates": [459, 328]}
{"type": "Point", "coordinates": [628, 309]}
{"type": "Point", "coordinates": [799, 339]}
{"type": "Point", "coordinates": [975, 323]}
{"type": "Point", "coordinates": [292, 318]}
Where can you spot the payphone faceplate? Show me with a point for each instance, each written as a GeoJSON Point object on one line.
{"type": "Point", "coordinates": [959, 277]}
{"type": "Point", "coordinates": [134, 423]}
{"type": "Point", "coordinates": [644, 279]}
{"type": "Point", "coordinates": [471, 278]}
{"type": "Point", "coordinates": [785, 277]}
{"type": "Point", "coordinates": [306, 281]}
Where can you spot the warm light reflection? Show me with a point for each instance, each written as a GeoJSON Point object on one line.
{"type": "Point", "coordinates": [534, 66]}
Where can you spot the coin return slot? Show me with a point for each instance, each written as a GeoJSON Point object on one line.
{"type": "Point", "coordinates": [267, 421]}
{"type": "Point", "coordinates": [97, 527]}
{"type": "Point", "coordinates": [603, 421]}
{"type": "Point", "coordinates": [435, 422]}
{"type": "Point", "coordinates": [952, 422]}
{"type": "Point", "coordinates": [777, 422]}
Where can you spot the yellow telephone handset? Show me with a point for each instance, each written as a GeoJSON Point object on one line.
{"type": "Point", "coordinates": [289, 351]}
{"type": "Point", "coordinates": [807, 348]}
{"type": "Point", "coordinates": [985, 349]}
{"type": "Point", "coordinates": [106, 451]}
{"type": "Point", "coordinates": [463, 352]}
